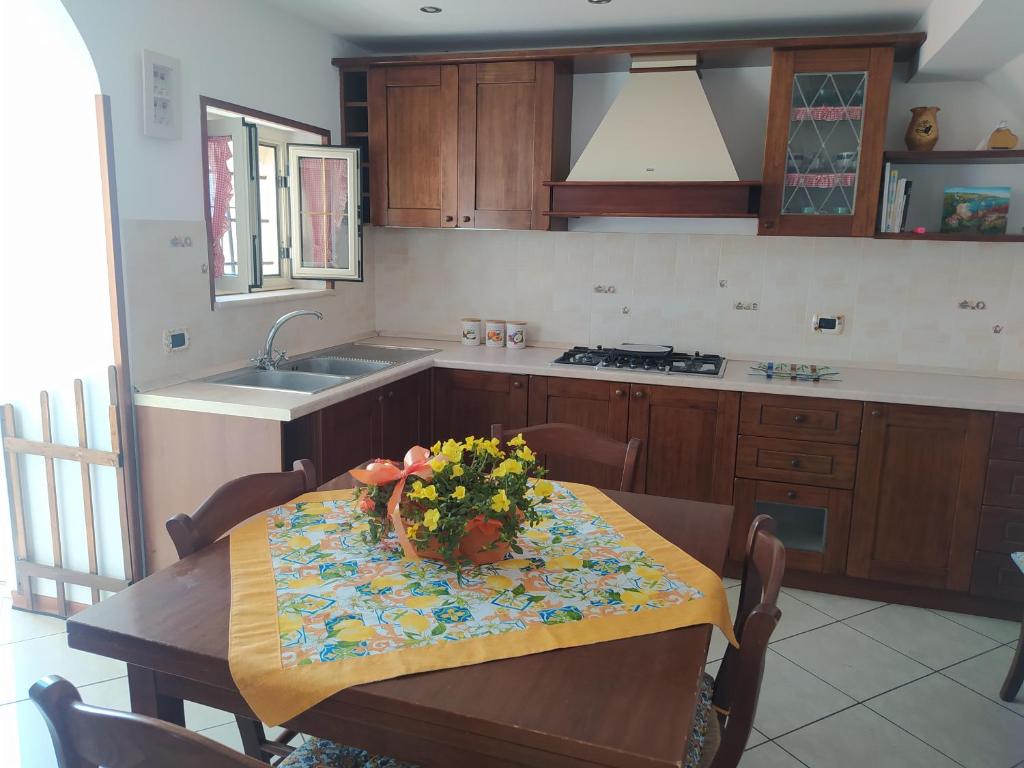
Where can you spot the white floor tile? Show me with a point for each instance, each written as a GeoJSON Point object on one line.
{"type": "Point", "coordinates": [985, 674]}
{"type": "Point", "coordinates": [854, 663]}
{"type": "Point", "coordinates": [26, 740]}
{"type": "Point", "coordinates": [22, 663]}
{"type": "Point", "coordinates": [730, 582]}
{"type": "Point", "coordinates": [958, 722]}
{"type": "Point", "coordinates": [922, 635]}
{"type": "Point", "coordinates": [836, 606]}
{"type": "Point", "coordinates": [858, 737]}
{"type": "Point", "coordinates": [21, 625]}
{"type": "Point", "coordinates": [792, 697]}
{"type": "Point", "coordinates": [998, 629]}
{"type": "Point", "coordinates": [769, 755]}
{"type": "Point", "coordinates": [755, 738]}
{"type": "Point", "coordinates": [113, 694]}
{"type": "Point", "coordinates": [716, 649]}
{"type": "Point", "coordinates": [797, 617]}
{"type": "Point", "coordinates": [226, 734]}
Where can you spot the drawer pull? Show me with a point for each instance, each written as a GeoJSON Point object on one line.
{"type": "Point", "coordinates": [790, 494]}
{"type": "Point", "coordinates": [876, 413]}
{"type": "Point", "coordinates": [794, 462]}
{"type": "Point", "coordinates": [639, 394]}
{"type": "Point", "coordinates": [800, 418]}
{"type": "Point", "coordinates": [517, 384]}
{"type": "Point", "coordinates": [619, 393]}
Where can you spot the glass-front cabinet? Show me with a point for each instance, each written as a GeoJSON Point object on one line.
{"type": "Point", "coordinates": [826, 134]}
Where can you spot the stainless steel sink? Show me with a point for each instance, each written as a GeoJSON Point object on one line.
{"type": "Point", "coordinates": [285, 381]}
{"type": "Point", "coordinates": [338, 366]}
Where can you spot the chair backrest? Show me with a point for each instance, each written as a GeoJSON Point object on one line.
{"type": "Point", "coordinates": [235, 501]}
{"type": "Point", "coordinates": [578, 443]}
{"type": "Point", "coordinates": [85, 736]}
{"type": "Point", "coordinates": [738, 683]}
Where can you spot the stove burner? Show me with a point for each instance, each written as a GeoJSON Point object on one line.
{"type": "Point", "coordinates": [645, 357]}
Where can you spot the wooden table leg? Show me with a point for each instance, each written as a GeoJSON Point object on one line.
{"type": "Point", "coordinates": [146, 700]}
{"type": "Point", "coordinates": [1015, 676]}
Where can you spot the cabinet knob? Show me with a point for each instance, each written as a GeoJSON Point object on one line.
{"type": "Point", "coordinates": [517, 384]}
{"type": "Point", "coordinates": [639, 394]}
{"type": "Point", "coordinates": [619, 393]}
{"type": "Point", "coordinates": [794, 463]}
{"type": "Point", "coordinates": [790, 494]}
{"type": "Point", "coordinates": [391, 394]}
{"type": "Point", "coordinates": [768, 224]}
{"type": "Point", "coordinates": [465, 219]}
{"type": "Point", "coordinates": [449, 218]}
{"type": "Point", "coordinates": [800, 418]}
{"type": "Point", "coordinates": [876, 413]}
{"type": "Point", "coordinates": [380, 398]}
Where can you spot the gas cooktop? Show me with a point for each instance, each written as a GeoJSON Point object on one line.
{"type": "Point", "coordinates": [653, 358]}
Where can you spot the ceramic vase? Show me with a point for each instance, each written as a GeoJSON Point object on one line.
{"type": "Point", "coordinates": [923, 130]}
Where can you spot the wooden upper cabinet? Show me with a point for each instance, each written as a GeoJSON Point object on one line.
{"type": "Point", "coordinates": [413, 121]}
{"type": "Point", "coordinates": [468, 145]}
{"type": "Point", "coordinates": [689, 437]}
{"type": "Point", "coordinates": [918, 495]}
{"type": "Point", "coordinates": [826, 134]}
{"type": "Point", "coordinates": [508, 145]}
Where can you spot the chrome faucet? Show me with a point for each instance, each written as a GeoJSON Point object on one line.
{"type": "Point", "coordinates": [269, 358]}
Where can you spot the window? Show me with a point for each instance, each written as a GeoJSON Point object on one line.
{"type": "Point", "coordinates": [281, 208]}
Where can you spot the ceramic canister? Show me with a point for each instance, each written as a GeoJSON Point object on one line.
{"type": "Point", "coordinates": [471, 331]}
{"type": "Point", "coordinates": [495, 333]}
{"type": "Point", "coordinates": [515, 334]}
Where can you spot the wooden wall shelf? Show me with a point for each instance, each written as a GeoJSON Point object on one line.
{"type": "Point", "coordinates": [950, 237]}
{"type": "Point", "coordinates": [956, 157]}
{"type": "Point", "coordinates": [659, 199]}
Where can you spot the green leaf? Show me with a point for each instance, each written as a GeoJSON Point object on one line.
{"type": "Point", "coordinates": [516, 548]}
{"type": "Point", "coordinates": [519, 589]}
{"type": "Point", "coordinates": [438, 630]}
{"type": "Point", "coordinates": [556, 540]}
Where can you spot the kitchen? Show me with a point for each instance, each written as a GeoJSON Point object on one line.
{"type": "Point", "coordinates": [662, 245]}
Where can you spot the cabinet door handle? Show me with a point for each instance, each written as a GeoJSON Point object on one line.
{"type": "Point", "coordinates": [794, 463]}
{"type": "Point", "coordinates": [790, 494]}
{"type": "Point", "coordinates": [466, 219]}
{"type": "Point", "coordinates": [619, 393]}
{"type": "Point", "coordinates": [517, 384]}
{"type": "Point", "coordinates": [639, 394]}
{"type": "Point", "coordinates": [391, 394]}
{"type": "Point", "coordinates": [800, 418]}
{"type": "Point", "coordinates": [380, 398]}
{"type": "Point", "coordinates": [449, 218]}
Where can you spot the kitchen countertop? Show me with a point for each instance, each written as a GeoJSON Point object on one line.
{"type": "Point", "coordinates": [947, 390]}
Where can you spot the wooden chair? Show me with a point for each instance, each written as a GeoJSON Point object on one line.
{"type": "Point", "coordinates": [85, 736]}
{"type": "Point", "coordinates": [231, 504]}
{"type": "Point", "coordinates": [578, 443]}
{"type": "Point", "coordinates": [734, 693]}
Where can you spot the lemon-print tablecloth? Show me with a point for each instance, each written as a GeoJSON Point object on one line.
{"type": "Point", "coordinates": [316, 607]}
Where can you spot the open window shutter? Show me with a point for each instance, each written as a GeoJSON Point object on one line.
{"type": "Point", "coordinates": [326, 237]}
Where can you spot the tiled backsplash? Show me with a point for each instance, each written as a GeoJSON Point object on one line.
{"type": "Point", "coordinates": [900, 298]}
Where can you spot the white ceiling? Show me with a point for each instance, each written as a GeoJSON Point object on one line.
{"type": "Point", "coordinates": [389, 26]}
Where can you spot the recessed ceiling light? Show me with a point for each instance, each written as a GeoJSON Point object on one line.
{"type": "Point", "coordinates": [430, 9]}
{"type": "Point", "coordinates": [599, 2]}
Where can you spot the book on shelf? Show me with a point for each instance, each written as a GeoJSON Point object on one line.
{"type": "Point", "coordinates": [895, 201]}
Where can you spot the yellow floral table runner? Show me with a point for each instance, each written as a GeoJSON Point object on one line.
{"type": "Point", "coordinates": [317, 607]}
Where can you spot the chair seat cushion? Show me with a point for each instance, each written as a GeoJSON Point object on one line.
{"type": "Point", "coordinates": [704, 737]}
{"type": "Point", "coordinates": [322, 753]}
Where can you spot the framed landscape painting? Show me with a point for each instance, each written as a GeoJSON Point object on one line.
{"type": "Point", "coordinates": [979, 210]}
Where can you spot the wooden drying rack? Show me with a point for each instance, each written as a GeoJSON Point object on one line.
{"type": "Point", "coordinates": [25, 567]}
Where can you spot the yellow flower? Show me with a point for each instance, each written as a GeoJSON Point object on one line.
{"type": "Point", "coordinates": [499, 471]}
{"type": "Point", "coordinates": [457, 470]}
{"type": "Point", "coordinates": [430, 519]}
{"type": "Point", "coordinates": [517, 440]}
{"type": "Point", "coordinates": [526, 454]}
{"type": "Point", "coordinates": [543, 488]}
{"type": "Point", "coordinates": [459, 492]}
{"type": "Point", "coordinates": [436, 447]}
{"type": "Point", "coordinates": [417, 484]}
{"type": "Point", "coordinates": [413, 530]}
{"type": "Point", "coordinates": [414, 622]}
{"type": "Point", "coordinates": [500, 502]}
{"type": "Point", "coordinates": [512, 466]}
{"type": "Point", "coordinates": [489, 447]}
{"type": "Point", "coordinates": [469, 442]}
{"type": "Point", "coordinates": [356, 634]}
{"type": "Point", "coordinates": [452, 451]}
{"type": "Point", "coordinates": [437, 463]}
{"type": "Point", "coordinates": [429, 492]}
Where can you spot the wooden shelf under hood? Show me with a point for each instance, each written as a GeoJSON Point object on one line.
{"type": "Point", "coordinates": [678, 199]}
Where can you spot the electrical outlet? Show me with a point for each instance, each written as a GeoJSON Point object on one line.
{"type": "Point", "coordinates": [832, 324]}
{"type": "Point", "coordinates": [176, 339]}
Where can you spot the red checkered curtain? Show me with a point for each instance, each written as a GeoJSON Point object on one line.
{"type": "Point", "coordinates": [325, 202]}
{"type": "Point", "coordinates": [218, 152]}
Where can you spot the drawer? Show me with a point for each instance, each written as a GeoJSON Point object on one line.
{"type": "Point", "coordinates": [1008, 437]}
{"type": "Point", "coordinates": [801, 418]}
{"type": "Point", "coordinates": [995, 575]}
{"type": "Point", "coordinates": [796, 461]}
{"type": "Point", "coordinates": [1004, 484]}
{"type": "Point", "coordinates": [1001, 530]}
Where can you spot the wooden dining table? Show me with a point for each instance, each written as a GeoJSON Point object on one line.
{"type": "Point", "coordinates": [622, 704]}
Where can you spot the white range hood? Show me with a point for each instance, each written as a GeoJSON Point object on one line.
{"type": "Point", "coordinates": [659, 128]}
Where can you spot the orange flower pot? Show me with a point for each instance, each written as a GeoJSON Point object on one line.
{"type": "Point", "coordinates": [480, 545]}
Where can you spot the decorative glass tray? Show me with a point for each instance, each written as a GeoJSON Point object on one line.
{"type": "Point", "coordinates": [795, 371]}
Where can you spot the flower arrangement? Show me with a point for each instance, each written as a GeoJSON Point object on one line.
{"type": "Point", "coordinates": [467, 500]}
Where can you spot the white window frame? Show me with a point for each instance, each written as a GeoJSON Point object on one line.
{"type": "Point", "coordinates": [354, 272]}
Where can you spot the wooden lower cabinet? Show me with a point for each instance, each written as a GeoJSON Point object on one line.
{"type": "Point", "coordinates": [469, 402]}
{"type": "Point", "coordinates": [689, 438]}
{"type": "Point", "coordinates": [403, 415]}
{"type": "Point", "coordinates": [812, 523]}
{"type": "Point", "coordinates": [918, 495]}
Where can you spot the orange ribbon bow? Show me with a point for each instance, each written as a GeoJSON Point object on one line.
{"type": "Point", "coordinates": [384, 471]}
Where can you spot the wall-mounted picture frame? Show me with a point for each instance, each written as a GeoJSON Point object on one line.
{"type": "Point", "coordinates": [161, 96]}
